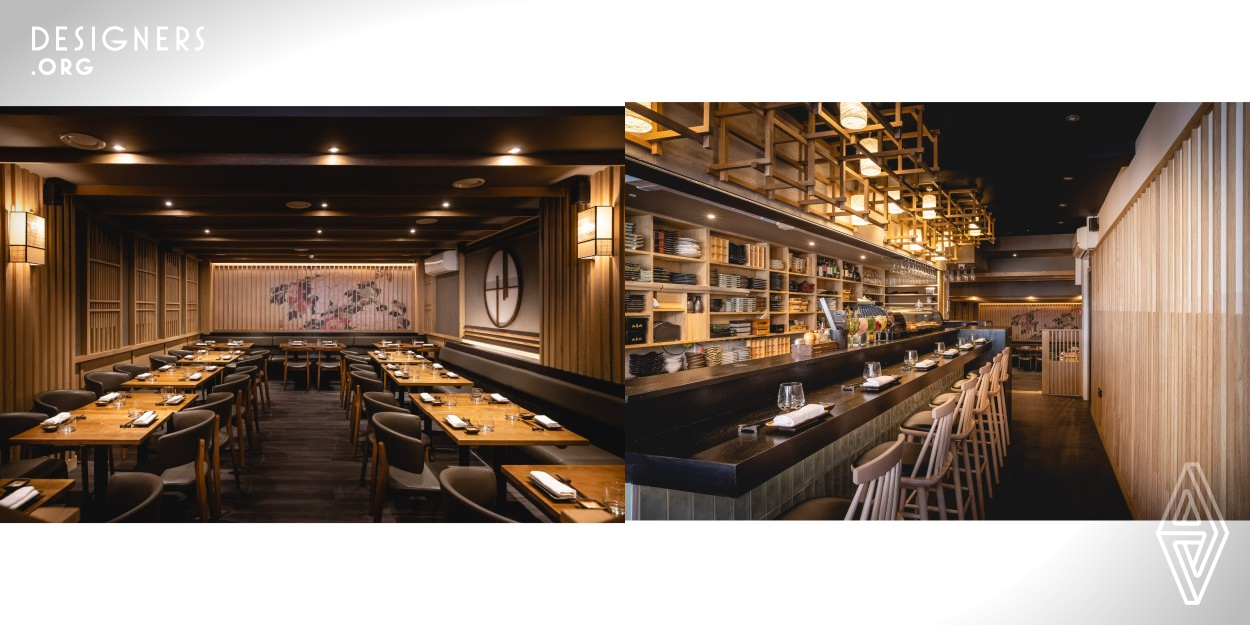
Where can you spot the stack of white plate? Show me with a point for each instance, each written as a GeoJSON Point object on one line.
{"type": "Point", "coordinates": [689, 247]}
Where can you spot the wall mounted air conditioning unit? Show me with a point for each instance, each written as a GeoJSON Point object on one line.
{"type": "Point", "coordinates": [1084, 242]}
{"type": "Point", "coordinates": [445, 262]}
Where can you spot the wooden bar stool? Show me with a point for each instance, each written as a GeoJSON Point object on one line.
{"type": "Point", "coordinates": [968, 466]}
{"type": "Point", "coordinates": [925, 465]}
{"type": "Point", "coordinates": [876, 475]}
{"type": "Point", "coordinates": [987, 428]}
{"type": "Point", "coordinates": [999, 393]}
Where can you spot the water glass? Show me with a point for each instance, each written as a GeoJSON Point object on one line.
{"type": "Point", "coordinates": [486, 423]}
{"type": "Point", "coordinates": [167, 392]}
{"type": "Point", "coordinates": [449, 400]}
{"type": "Point", "coordinates": [909, 360]}
{"type": "Point", "coordinates": [614, 498]}
{"type": "Point", "coordinates": [475, 394]}
{"type": "Point", "coordinates": [872, 370]}
{"type": "Point", "coordinates": [513, 414]}
{"type": "Point", "coordinates": [790, 396]}
{"type": "Point", "coordinates": [941, 347]}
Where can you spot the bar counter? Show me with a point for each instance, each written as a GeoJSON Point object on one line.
{"type": "Point", "coordinates": [704, 468]}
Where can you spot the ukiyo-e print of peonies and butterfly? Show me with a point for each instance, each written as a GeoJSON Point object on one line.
{"type": "Point", "coordinates": [330, 300]}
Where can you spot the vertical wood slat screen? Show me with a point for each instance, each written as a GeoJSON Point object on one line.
{"type": "Point", "coordinates": [173, 293]}
{"type": "Point", "coordinates": [192, 295]}
{"type": "Point", "coordinates": [104, 287]}
{"type": "Point", "coordinates": [1171, 330]}
{"type": "Point", "coordinates": [1028, 320]}
{"type": "Point", "coordinates": [1061, 362]}
{"type": "Point", "coordinates": [583, 300]}
{"type": "Point", "coordinates": [36, 305]}
{"type": "Point", "coordinates": [313, 297]}
{"type": "Point", "coordinates": [146, 291]}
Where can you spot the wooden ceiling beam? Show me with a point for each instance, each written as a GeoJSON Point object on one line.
{"type": "Point", "coordinates": [313, 191]}
{"type": "Point", "coordinates": [300, 159]}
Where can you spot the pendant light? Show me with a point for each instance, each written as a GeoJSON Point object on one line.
{"type": "Point", "coordinates": [637, 124]}
{"type": "Point", "coordinates": [857, 202]}
{"type": "Point", "coordinates": [928, 203]}
{"type": "Point", "coordinates": [867, 166]}
{"type": "Point", "coordinates": [892, 206]}
{"type": "Point", "coordinates": [852, 115]}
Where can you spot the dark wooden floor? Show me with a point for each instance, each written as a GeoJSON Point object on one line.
{"type": "Point", "coordinates": [301, 470]}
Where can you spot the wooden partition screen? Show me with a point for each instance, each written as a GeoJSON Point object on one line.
{"type": "Point", "coordinates": [1170, 327]}
{"type": "Point", "coordinates": [583, 300]}
{"type": "Point", "coordinates": [312, 297]}
{"type": "Point", "coordinates": [36, 302]}
{"type": "Point", "coordinates": [173, 293]}
{"type": "Point", "coordinates": [1028, 320]}
{"type": "Point", "coordinates": [104, 287]}
{"type": "Point", "coordinates": [191, 294]}
{"type": "Point", "coordinates": [146, 291]}
{"type": "Point", "coordinates": [1061, 362]}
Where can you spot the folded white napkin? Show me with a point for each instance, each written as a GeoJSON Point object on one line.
{"type": "Point", "coordinates": [166, 367]}
{"type": "Point", "coordinates": [175, 399]}
{"type": "Point", "coordinates": [438, 366]}
{"type": "Point", "coordinates": [188, 357]}
{"type": "Point", "coordinates": [951, 352]}
{"type": "Point", "coordinates": [427, 345]}
{"type": "Point", "coordinates": [297, 342]}
{"type": "Point", "coordinates": [426, 397]}
{"type": "Point", "coordinates": [225, 357]}
{"type": "Point", "coordinates": [452, 375]}
{"type": "Point", "coordinates": [499, 398]}
{"type": "Point", "coordinates": [981, 341]}
{"type": "Point", "coordinates": [546, 422]}
{"type": "Point", "coordinates": [455, 422]}
{"type": "Point", "coordinates": [392, 367]}
{"type": "Point", "coordinates": [195, 376]}
{"type": "Point", "coordinates": [201, 351]}
{"type": "Point", "coordinates": [201, 344]}
{"type": "Point", "coordinates": [211, 368]}
{"type": "Point", "coordinates": [146, 418]}
{"type": "Point", "coordinates": [800, 416]}
{"type": "Point", "coordinates": [879, 381]}
{"type": "Point", "coordinates": [108, 396]}
{"type": "Point", "coordinates": [966, 346]}
{"type": "Point", "coordinates": [58, 419]}
{"type": "Point", "coordinates": [19, 497]}
{"type": "Point", "coordinates": [143, 376]}
{"type": "Point", "coordinates": [554, 487]}
{"type": "Point", "coordinates": [927, 362]}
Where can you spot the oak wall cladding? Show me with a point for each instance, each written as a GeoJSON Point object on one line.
{"type": "Point", "coordinates": [1171, 325]}
{"type": "Point", "coordinates": [312, 297]}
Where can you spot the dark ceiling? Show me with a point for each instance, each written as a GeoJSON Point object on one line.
{"type": "Point", "coordinates": [232, 171]}
{"type": "Point", "coordinates": [1020, 153]}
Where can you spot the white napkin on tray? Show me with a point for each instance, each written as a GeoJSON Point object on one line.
{"type": "Point", "coordinates": [799, 417]}
{"type": "Point", "coordinates": [981, 341]}
{"type": "Point", "coordinates": [951, 353]}
{"type": "Point", "coordinates": [547, 422]}
{"type": "Point", "coordinates": [144, 376]}
{"type": "Point", "coordinates": [926, 363]}
{"type": "Point", "coordinates": [19, 497]}
{"type": "Point", "coordinates": [166, 367]}
{"type": "Point", "coordinates": [60, 418]}
{"type": "Point", "coordinates": [195, 376]}
{"type": "Point", "coordinates": [107, 397]}
{"type": "Point", "coordinates": [210, 368]}
{"type": "Point", "coordinates": [879, 381]}
{"type": "Point", "coordinates": [426, 397]}
{"type": "Point", "coordinates": [455, 422]}
{"type": "Point", "coordinates": [452, 375]}
{"type": "Point", "coordinates": [499, 398]}
{"type": "Point", "coordinates": [438, 366]}
{"type": "Point", "coordinates": [146, 418]}
{"type": "Point", "coordinates": [174, 399]}
{"type": "Point", "coordinates": [554, 487]}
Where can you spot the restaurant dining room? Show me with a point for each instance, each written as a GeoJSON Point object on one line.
{"type": "Point", "coordinates": [936, 311]}
{"type": "Point", "coordinates": [246, 315]}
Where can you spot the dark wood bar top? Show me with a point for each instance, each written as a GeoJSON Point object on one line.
{"type": "Point", "coordinates": [715, 459]}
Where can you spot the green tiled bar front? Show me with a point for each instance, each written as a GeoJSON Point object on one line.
{"type": "Point", "coordinates": [826, 472]}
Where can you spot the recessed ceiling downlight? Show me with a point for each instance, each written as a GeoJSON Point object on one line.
{"type": "Point", "coordinates": [427, 221]}
{"type": "Point", "coordinates": [83, 141]}
{"type": "Point", "coordinates": [468, 183]}
{"type": "Point", "coordinates": [301, 249]}
{"type": "Point", "coordinates": [298, 204]}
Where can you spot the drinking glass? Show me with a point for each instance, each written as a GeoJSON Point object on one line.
{"type": "Point", "coordinates": [486, 423]}
{"type": "Point", "coordinates": [909, 360]}
{"type": "Point", "coordinates": [614, 498]}
{"type": "Point", "coordinates": [167, 392]}
{"type": "Point", "coordinates": [790, 396]}
{"type": "Point", "coordinates": [449, 399]}
{"type": "Point", "coordinates": [512, 414]}
{"type": "Point", "coordinates": [941, 347]}
{"type": "Point", "coordinates": [872, 369]}
{"type": "Point", "coordinates": [475, 394]}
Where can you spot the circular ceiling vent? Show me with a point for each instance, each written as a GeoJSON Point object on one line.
{"type": "Point", "coordinates": [300, 204]}
{"type": "Point", "coordinates": [468, 183]}
{"type": "Point", "coordinates": [427, 221]}
{"type": "Point", "coordinates": [82, 141]}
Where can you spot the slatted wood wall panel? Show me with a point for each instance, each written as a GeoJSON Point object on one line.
{"type": "Point", "coordinates": [191, 294]}
{"type": "Point", "coordinates": [1026, 328]}
{"type": "Point", "coordinates": [1061, 367]}
{"type": "Point", "coordinates": [276, 297]}
{"type": "Point", "coordinates": [583, 300]}
{"type": "Point", "coordinates": [173, 293]}
{"type": "Point", "coordinates": [1171, 330]}
{"type": "Point", "coordinates": [146, 291]}
{"type": "Point", "coordinates": [104, 287]}
{"type": "Point", "coordinates": [36, 303]}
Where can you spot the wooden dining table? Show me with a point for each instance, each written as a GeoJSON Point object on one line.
{"type": "Point", "coordinates": [421, 348]}
{"type": "Point", "coordinates": [418, 378]}
{"type": "Point", "coordinates": [218, 345]}
{"type": "Point", "coordinates": [49, 489]}
{"type": "Point", "coordinates": [397, 357]}
{"type": "Point", "coordinates": [507, 433]}
{"type": "Point", "coordinates": [178, 378]}
{"type": "Point", "coordinates": [589, 480]}
{"type": "Point", "coordinates": [211, 357]}
{"type": "Point", "coordinates": [102, 427]}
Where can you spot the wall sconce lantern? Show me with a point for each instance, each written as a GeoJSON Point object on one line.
{"type": "Point", "coordinates": [27, 240]}
{"type": "Point", "coordinates": [594, 232]}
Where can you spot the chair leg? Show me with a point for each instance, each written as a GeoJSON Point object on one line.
{"type": "Point", "coordinates": [284, 374]}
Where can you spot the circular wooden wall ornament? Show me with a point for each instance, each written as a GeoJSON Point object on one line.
{"type": "Point", "coordinates": [502, 288]}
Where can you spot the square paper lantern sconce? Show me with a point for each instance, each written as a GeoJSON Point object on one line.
{"type": "Point", "coordinates": [594, 232]}
{"type": "Point", "coordinates": [27, 242]}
